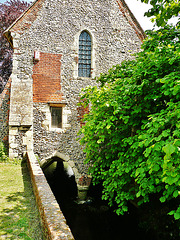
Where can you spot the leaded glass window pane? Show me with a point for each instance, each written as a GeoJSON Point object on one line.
{"type": "Point", "coordinates": [56, 117]}
{"type": "Point", "coordinates": [84, 66]}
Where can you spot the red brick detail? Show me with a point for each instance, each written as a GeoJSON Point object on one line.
{"type": "Point", "coordinates": [6, 92]}
{"type": "Point", "coordinates": [5, 139]}
{"type": "Point", "coordinates": [131, 19]}
{"type": "Point", "coordinates": [84, 181]}
{"type": "Point", "coordinates": [47, 78]}
{"type": "Point", "coordinates": [25, 21]}
{"type": "Point", "coordinates": [81, 111]}
{"type": "Point", "coordinates": [76, 59]}
{"type": "Point", "coordinates": [4, 113]}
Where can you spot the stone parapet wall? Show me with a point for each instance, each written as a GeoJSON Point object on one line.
{"type": "Point", "coordinates": [52, 218]}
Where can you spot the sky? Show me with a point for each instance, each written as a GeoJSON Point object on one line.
{"type": "Point", "coordinates": [138, 9]}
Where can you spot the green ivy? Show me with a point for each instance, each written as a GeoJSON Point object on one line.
{"type": "Point", "coordinates": [132, 133]}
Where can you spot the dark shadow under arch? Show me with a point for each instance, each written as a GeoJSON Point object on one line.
{"type": "Point", "coordinates": [62, 184]}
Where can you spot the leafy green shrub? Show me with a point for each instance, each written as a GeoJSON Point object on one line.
{"type": "Point", "coordinates": [3, 153]}
{"type": "Point", "coordinates": [162, 11]}
{"type": "Point", "coordinates": [132, 133]}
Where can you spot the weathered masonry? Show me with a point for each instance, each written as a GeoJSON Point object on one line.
{"type": "Point", "coordinates": [60, 47]}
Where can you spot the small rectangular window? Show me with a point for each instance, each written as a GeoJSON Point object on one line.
{"type": "Point", "coordinates": [56, 117]}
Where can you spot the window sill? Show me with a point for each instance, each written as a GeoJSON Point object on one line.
{"type": "Point", "coordinates": [84, 78]}
{"type": "Point", "coordinates": [59, 130]}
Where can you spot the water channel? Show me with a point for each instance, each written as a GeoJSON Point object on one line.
{"type": "Point", "coordinates": [94, 220]}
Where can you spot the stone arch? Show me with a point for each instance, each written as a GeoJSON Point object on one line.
{"type": "Point", "coordinates": [82, 181]}
{"type": "Point", "coordinates": [61, 157]}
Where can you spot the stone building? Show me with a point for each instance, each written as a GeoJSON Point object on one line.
{"type": "Point", "coordinates": [60, 47]}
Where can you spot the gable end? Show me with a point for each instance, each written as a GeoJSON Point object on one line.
{"type": "Point", "coordinates": [25, 21]}
{"type": "Point", "coordinates": [131, 19]}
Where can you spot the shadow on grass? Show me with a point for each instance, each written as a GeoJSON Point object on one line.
{"type": "Point", "coordinates": [20, 219]}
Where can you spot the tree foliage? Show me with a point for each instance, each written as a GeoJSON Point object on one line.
{"type": "Point", "coordinates": [163, 10]}
{"type": "Point", "coordinates": [132, 133]}
{"type": "Point", "coordinates": [9, 12]}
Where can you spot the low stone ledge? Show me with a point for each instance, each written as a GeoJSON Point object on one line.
{"type": "Point", "coordinates": [53, 220]}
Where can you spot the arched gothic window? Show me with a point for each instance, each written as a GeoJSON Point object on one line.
{"type": "Point", "coordinates": [84, 63]}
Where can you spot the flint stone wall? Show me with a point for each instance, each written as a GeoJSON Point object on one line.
{"type": "Point", "coordinates": [4, 113]}
{"type": "Point", "coordinates": [55, 30]}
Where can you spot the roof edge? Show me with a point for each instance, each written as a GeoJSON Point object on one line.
{"type": "Point", "coordinates": [122, 6]}
{"type": "Point", "coordinates": [7, 32]}
{"type": "Point", "coordinates": [131, 19]}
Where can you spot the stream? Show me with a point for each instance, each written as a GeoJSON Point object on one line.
{"type": "Point", "coordinates": [94, 219]}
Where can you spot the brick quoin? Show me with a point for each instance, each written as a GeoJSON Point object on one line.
{"type": "Point", "coordinates": [4, 112]}
{"type": "Point", "coordinates": [47, 78]}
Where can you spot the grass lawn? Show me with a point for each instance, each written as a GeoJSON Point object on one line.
{"type": "Point", "coordinates": [19, 217]}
